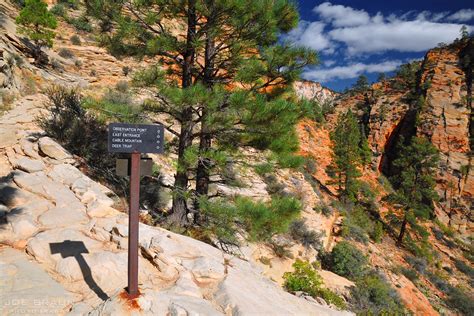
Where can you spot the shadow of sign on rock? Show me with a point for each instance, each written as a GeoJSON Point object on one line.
{"type": "Point", "coordinates": [70, 248]}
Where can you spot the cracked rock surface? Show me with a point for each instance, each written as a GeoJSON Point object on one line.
{"type": "Point", "coordinates": [63, 245]}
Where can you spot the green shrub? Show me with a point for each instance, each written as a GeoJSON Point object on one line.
{"type": "Point", "coordinates": [66, 53]}
{"type": "Point", "coordinates": [264, 169]}
{"type": "Point", "coordinates": [115, 105]}
{"type": "Point", "coordinates": [300, 232]}
{"type": "Point", "coordinates": [117, 97]}
{"type": "Point", "coordinates": [455, 297]}
{"type": "Point", "coordinates": [122, 86]}
{"type": "Point", "coordinates": [75, 40]}
{"type": "Point", "coordinates": [447, 231]}
{"type": "Point", "coordinates": [306, 279]}
{"type": "Point", "coordinates": [274, 187]}
{"type": "Point", "coordinates": [220, 219]}
{"type": "Point", "coordinates": [310, 166]}
{"type": "Point", "coordinates": [19, 61]}
{"type": "Point", "coordinates": [332, 298]}
{"type": "Point", "coordinates": [421, 249]}
{"type": "Point", "coordinates": [419, 264]}
{"type": "Point", "coordinates": [6, 100]}
{"type": "Point", "coordinates": [73, 4]}
{"type": "Point", "coordinates": [410, 274]}
{"type": "Point", "coordinates": [357, 225]}
{"type": "Point", "coordinates": [81, 23]}
{"type": "Point", "coordinates": [324, 209]}
{"type": "Point", "coordinates": [281, 249]}
{"type": "Point", "coordinates": [56, 65]}
{"type": "Point", "coordinates": [262, 221]}
{"type": "Point", "coordinates": [82, 135]}
{"type": "Point", "coordinates": [464, 268]}
{"type": "Point", "coordinates": [372, 295]}
{"type": "Point", "coordinates": [58, 10]}
{"type": "Point", "coordinates": [460, 300]}
{"type": "Point", "coordinates": [346, 260]}
{"type": "Point", "coordinates": [377, 232]}
{"type": "Point", "coordinates": [126, 70]}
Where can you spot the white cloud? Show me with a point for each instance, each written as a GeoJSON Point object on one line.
{"type": "Point", "coordinates": [311, 34]}
{"type": "Point", "coordinates": [462, 15]}
{"type": "Point", "coordinates": [398, 35]}
{"type": "Point", "coordinates": [329, 62]}
{"type": "Point", "coordinates": [350, 71]}
{"type": "Point", "coordinates": [358, 32]}
{"type": "Point", "coordinates": [340, 15]}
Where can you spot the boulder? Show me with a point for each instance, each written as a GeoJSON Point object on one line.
{"type": "Point", "coordinates": [29, 148]}
{"type": "Point", "coordinates": [52, 149]}
{"type": "Point", "coordinates": [66, 174]}
{"type": "Point", "coordinates": [29, 165]}
{"type": "Point", "coordinates": [336, 283]}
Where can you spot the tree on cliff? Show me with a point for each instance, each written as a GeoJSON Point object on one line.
{"type": "Point", "coordinates": [224, 81]}
{"type": "Point", "coordinates": [361, 85]}
{"type": "Point", "coordinates": [346, 158]}
{"type": "Point", "coordinates": [38, 24]}
{"type": "Point", "coordinates": [414, 182]}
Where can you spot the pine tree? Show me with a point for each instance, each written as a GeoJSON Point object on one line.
{"type": "Point", "coordinates": [38, 24]}
{"type": "Point", "coordinates": [362, 84]}
{"type": "Point", "coordinates": [346, 159]}
{"type": "Point", "coordinates": [381, 77]}
{"type": "Point", "coordinates": [464, 32]}
{"type": "Point", "coordinates": [224, 81]}
{"type": "Point", "coordinates": [414, 182]}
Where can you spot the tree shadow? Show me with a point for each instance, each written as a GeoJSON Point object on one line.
{"type": "Point", "coordinates": [8, 192]}
{"type": "Point", "coordinates": [75, 249]}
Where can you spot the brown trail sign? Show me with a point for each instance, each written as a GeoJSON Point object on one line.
{"type": "Point", "coordinates": [134, 139]}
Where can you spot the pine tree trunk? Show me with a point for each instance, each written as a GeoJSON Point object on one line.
{"type": "Point", "coordinates": [180, 210]}
{"type": "Point", "coordinates": [402, 231]}
{"type": "Point", "coordinates": [205, 141]}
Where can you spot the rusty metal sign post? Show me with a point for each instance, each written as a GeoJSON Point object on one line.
{"type": "Point", "coordinates": [134, 139]}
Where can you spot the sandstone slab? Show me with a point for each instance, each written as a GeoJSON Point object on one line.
{"type": "Point", "coordinates": [64, 216]}
{"type": "Point", "coordinates": [26, 289]}
{"type": "Point", "coordinates": [29, 165]}
{"type": "Point", "coordinates": [52, 149]}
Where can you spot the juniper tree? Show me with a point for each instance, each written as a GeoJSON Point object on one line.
{"type": "Point", "coordinates": [223, 79]}
{"type": "Point", "coordinates": [414, 182]}
{"type": "Point", "coordinates": [38, 24]}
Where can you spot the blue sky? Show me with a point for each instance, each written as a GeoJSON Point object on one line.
{"type": "Point", "coordinates": [368, 37]}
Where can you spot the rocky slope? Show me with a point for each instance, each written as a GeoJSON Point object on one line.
{"type": "Point", "coordinates": [64, 248]}
{"type": "Point", "coordinates": [444, 118]}
{"type": "Point", "coordinates": [314, 91]}
{"type": "Point", "coordinates": [46, 200]}
{"type": "Point", "coordinates": [63, 245]}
